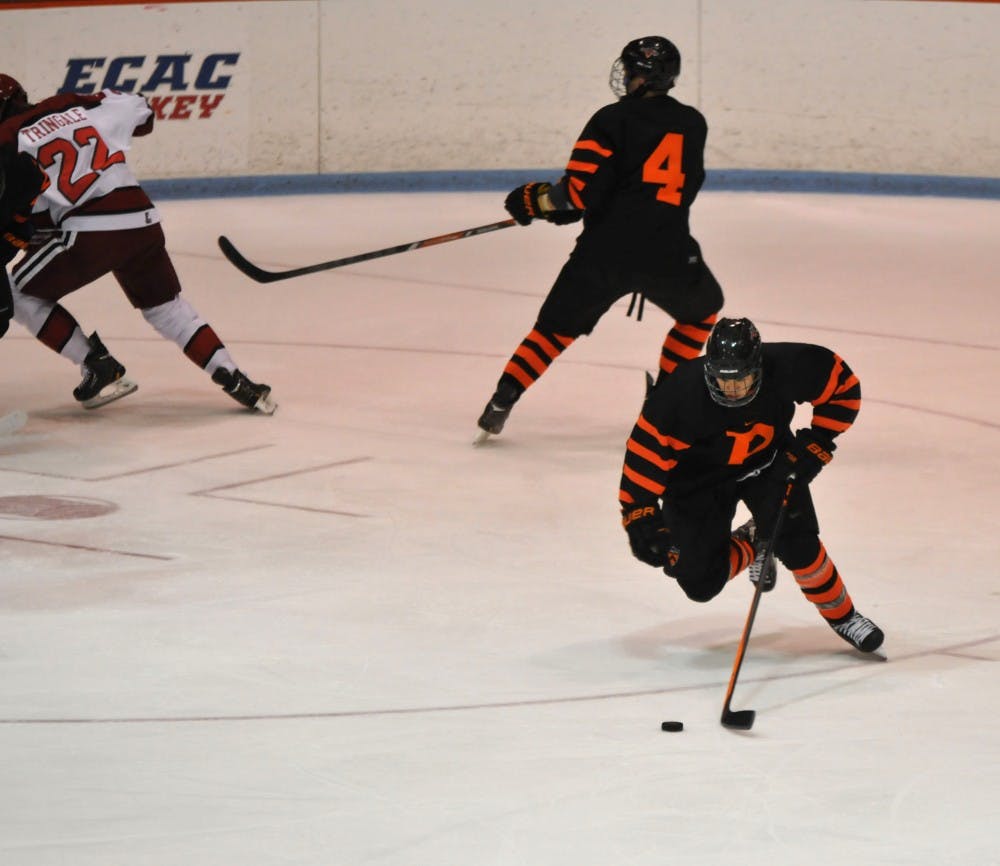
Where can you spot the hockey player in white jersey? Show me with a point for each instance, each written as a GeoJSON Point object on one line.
{"type": "Point", "coordinates": [93, 218]}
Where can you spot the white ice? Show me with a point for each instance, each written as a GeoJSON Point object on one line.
{"type": "Point", "coordinates": [342, 635]}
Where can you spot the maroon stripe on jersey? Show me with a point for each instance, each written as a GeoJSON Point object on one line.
{"type": "Point", "coordinates": [57, 330]}
{"type": "Point", "coordinates": [202, 345]}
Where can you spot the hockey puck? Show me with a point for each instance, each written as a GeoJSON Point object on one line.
{"type": "Point", "coordinates": [672, 726]}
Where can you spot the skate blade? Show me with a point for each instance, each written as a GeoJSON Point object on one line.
{"type": "Point", "coordinates": [265, 405]}
{"type": "Point", "coordinates": [12, 422]}
{"type": "Point", "coordinates": [115, 391]}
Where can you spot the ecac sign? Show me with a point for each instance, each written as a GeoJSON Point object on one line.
{"type": "Point", "coordinates": [178, 73]}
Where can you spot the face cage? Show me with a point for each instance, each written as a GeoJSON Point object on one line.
{"type": "Point", "coordinates": [618, 79]}
{"type": "Point", "coordinates": [719, 396]}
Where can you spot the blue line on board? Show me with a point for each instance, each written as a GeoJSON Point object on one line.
{"type": "Point", "coordinates": [503, 180]}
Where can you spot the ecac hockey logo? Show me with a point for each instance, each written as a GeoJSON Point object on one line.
{"type": "Point", "coordinates": [178, 73]}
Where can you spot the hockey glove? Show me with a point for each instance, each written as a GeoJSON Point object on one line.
{"type": "Point", "coordinates": [522, 203]}
{"type": "Point", "coordinates": [804, 456]}
{"type": "Point", "coordinates": [14, 238]}
{"type": "Point", "coordinates": [647, 536]}
{"type": "Point", "coordinates": [21, 182]}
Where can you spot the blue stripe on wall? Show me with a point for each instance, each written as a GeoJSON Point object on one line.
{"type": "Point", "coordinates": [726, 180]}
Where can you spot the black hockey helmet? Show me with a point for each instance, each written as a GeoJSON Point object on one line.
{"type": "Point", "coordinates": [13, 99]}
{"type": "Point", "coordinates": [655, 59]}
{"type": "Point", "coordinates": [733, 352]}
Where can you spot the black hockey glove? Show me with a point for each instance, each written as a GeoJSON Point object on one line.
{"type": "Point", "coordinates": [21, 182]}
{"type": "Point", "coordinates": [14, 238]}
{"type": "Point", "coordinates": [522, 203]}
{"type": "Point", "coordinates": [804, 457]}
{"type": "Point", "coordinates": [647, 536]}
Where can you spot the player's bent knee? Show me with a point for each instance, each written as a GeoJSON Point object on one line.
{"type": "Point", "coordinates": [700, 590]}
{"type": "Point", "coordinates": [797, 551]}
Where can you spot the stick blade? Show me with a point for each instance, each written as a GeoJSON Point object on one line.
{"type": "Point", "coordinates": [241, 263]}
{"type": "Point", "coordinates": [740, 720]}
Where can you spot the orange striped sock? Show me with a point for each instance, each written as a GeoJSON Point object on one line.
{"type": "Point", "coordinates": [820, 583]}
{"type": "Point", "coordinates": [533, 357]}
{"type": "Point", "coordinates": [684, 342]}
{"type": "Point", "coordinates": [741, 554]}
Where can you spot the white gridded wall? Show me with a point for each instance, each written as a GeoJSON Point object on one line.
{"type": "Point", "coordinates": [345, 86]}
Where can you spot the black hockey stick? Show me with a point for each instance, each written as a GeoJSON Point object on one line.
{"type": "Point", "coordinates": [262, 276]}
{"type": "Point", "coordinates": [742, 720]}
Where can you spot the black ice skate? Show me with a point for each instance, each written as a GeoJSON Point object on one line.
{"type": "Point", "coordinates": [245, 392]}
{"type": "Point", "coordinates": [748, 532]}
{"type": "Point", "coordinates": [860, 632]}
{"type": "Point", "coordinates": [103, 377]}
{"type": "Point", "coordinates": [495, 414]}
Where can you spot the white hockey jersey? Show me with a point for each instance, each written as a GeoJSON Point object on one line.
{"type": "Point", "coordinates": [80, 142]}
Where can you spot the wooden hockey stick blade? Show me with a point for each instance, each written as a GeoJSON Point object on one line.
{"type": "Point", "coordinates": [241, 263]}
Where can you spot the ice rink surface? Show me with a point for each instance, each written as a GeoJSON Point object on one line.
{"type": "Point", "coordinates": [342, 635]}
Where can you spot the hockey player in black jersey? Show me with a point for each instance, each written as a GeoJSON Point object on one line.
{"type": "Point", "coordinates": [21, 180]}
{"type": "Point", "coordinates": [717, 432]}
{"type": "Point", "coordinates": [632, 177]}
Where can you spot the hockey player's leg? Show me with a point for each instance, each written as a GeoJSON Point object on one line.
{"type": "Point", "coordinates": [747, 551]}
{"type": "Point", "coordinates": [693, 298]}
{"type": "Point", "coordinates": [529, 362]}
{"type": "Point", "coordinates": [176, 320]}
{"type": "Point", "coordinates": [822, 585]}
{"type": "Point", "coordinates": [579, 297]}
{"type": "Point", "coordinates": [103, 376]}
{"type": "Point", "coordinates": [683, 342]}
{"type": "Point", "coordinates": [703, 554]}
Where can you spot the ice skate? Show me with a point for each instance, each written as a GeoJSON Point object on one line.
{"type": "Point", "coordinates": [495, 414]}
{"type": "Point", "coordinates": [103, 377]}
{"type": "Point", "coordinates": [860, 632]}
{"type": "Point", "coordinates": [748, 532]}
{"type": "Point", "coordinates": [244, 391]}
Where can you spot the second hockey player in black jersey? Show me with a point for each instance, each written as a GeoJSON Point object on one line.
{"type": "Point", "coordinates": [632, 176]}
{"type": "Point", "coordinates": [717, 432]}
{"type": "Point", "coordinates": [21, 181]}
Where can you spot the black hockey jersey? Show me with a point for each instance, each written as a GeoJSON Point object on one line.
{"type": "Point", "coordinates": [635, 171]}
{"type": "Point", "coordinates": [685, 441]}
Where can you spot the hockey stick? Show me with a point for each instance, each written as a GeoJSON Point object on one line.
{"type": "Point", "coordinates": [262, 276]}
{"type": "Point", "coordinates": [743, 719]}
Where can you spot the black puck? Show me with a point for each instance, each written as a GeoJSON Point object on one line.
{"type": "Point", "coordinates": [672, 726]}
